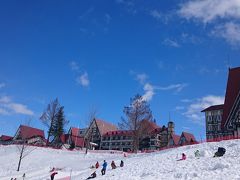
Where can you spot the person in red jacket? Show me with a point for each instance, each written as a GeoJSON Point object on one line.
{"type": "Point", "coordinates": [53, 174]}
{"type": "Point", "coordinates": [97, 165]}
{"type": "Point", "coordinates": [184, 157]}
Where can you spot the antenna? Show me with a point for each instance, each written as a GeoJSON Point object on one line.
{"type": "Point", "coordinates": [169, 116]}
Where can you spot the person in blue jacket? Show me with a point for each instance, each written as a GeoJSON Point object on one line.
{"type": "Point", "coordinates": [104, 167]}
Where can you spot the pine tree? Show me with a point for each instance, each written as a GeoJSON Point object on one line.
{"type": "Point", "coordinates": [58, 127]}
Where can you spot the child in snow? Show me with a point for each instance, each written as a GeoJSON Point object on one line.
{"type": "Point", "coordinates": [197, 154]}
{"type": "Point", "coordinates": [103, 171]}
{"type": "Point", "coordinates": [121, 163]}
{"type": "Point", "coordinates": [97, 165]}
{"type": "Point", "coordinates": [52, 175]}
{"type": "Point", "coordinates": [184, 157]}
{"type": "Point", "coordinates": [93, 175]}
{"type": "Point", "coordinates": [113, 165]}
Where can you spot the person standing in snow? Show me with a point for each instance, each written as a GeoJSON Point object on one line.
{"type": "Point", "coordinates": [97, 165]}
{"type": "Point", "coordinates": [197, 154]}
{"type": "Point", "coordinates": [103, 171]}
{"type": "Point", "coordinates": [52, 175]}
{"type": "Point", "coordinates": [113, 165]}
{"type": "Point", "coordinates": [121, 163]}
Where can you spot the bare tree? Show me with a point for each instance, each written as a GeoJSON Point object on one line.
{"type": "Point", "coordinates": [136, 113]}
{"type": "Point", "coordinates": [89, 133]}
{"type": "Point", "coordinates": [22, 145]}
{"type": "Point", "coordinates": [49, 116]}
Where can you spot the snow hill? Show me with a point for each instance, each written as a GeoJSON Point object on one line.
{"type": "Point", "coordinates": [160, 165]}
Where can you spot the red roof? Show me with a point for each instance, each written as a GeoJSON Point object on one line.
{"type": "Point", "coordinates": [214, 108]}
{"type": "Point", "coordinates": [233, 89]}
{"type": "Point", "coordinates": [27, 132]}
{"type": "Point", "coordinates": [74, 131]}
{"type": "Point", "coordinates": [149, 126]}
{"type": "Point", "coordinates": [6, 138]}
{"type": "Point", "coordinates": [189, 137]}
{"type": "Point", "coordinates": [175, 138]}
{"type": "Point", "coordinates": [104, 126]}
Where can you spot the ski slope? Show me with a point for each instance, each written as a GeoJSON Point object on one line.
{"type": "Point", "coordinates": [161, 165]}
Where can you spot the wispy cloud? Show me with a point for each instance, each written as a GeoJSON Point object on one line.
{"type": "Point", "coordinates": [141, 78]}
{"type": "Point", "coordinates": [107, 18]}
{"type": "Point", "coordinates": [194, 109]}
{"type": "Point", "coordinates": [83, 80]}
{"type": "Point", "coordinates": [149, 92]}
{"type": "Point", "coordinates": [171, 42]}
{"type": "Point", "coordinates": [8, 107]}
{"type": "Point", "coordinates": [209, 10]}
{"type": "Point", "coordinates": [150, 89]}
{"type": "Point", "coordinates": [179, 108]}
{"type": "Point", "coordinates": [156, 14]}
{"type": "Point", "coordinates": [218, 13]}
{"type": "Point", "coordinates": [229, 31]}
{"type": "Point", "coordinates": [82, 75]}
{"type": "Point", "coordinates": [74, 66]}
{"type": "Point", "coordinates": [176, 87]}
{"type": "Point", "coordinates": [2, 85]}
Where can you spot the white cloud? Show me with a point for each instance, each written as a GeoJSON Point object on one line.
{"type": "Point", "coordinates": [83, 80]}
{"type": "Point", "coordinates": [2, 85]}
{"type": "Point", "coordinates": [229, 31]}
{"type": "Point", "coordinates": [19, 108]}
{"type": "Point", "coordinates": [149, 89]}
{"type": "Point", "coordinates": [5, 99]}
{"type": "Point", "coordinates": [210, 10]}
{"type": "Point", "coordinates": [170, 42]}
{"type": "Point", "coordinates": [141, 78]}
{"type": "Point", "coordinates": [149, 92]}
{"type": "Point", "coordinates": [179, 108]}
{"type": "Point", "coordinates": [176, 87]}
{"type": "Point", "coordinates": [194, 109]}
{"type": "Point", "coordinates": [8, 107]}
{"type": "Point", "coordinates": [74, 66]}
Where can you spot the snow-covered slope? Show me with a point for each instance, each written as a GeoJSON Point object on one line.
{"type": "Point", "coordinates": [161, 165]}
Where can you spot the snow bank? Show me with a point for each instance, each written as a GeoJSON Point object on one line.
{"type": "Point", "coordinates": [161, 165]}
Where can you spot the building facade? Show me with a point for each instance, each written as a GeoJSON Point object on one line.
{"type": "Point", "coordinates": [224, 120]}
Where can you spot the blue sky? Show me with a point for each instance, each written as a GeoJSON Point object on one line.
{"type": "Point", "coordinates": [101, 53]}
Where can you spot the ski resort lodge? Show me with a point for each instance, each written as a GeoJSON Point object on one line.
{"type": "Point", "coordinates": [223, 120]}
{"type": "Point", "coordinates": [102, 135]}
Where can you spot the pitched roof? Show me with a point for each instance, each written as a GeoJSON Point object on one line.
{"type": "Point", "coordinates": [189, 137]}
{"type": "Point", "coordinates": [75, 131]}
{"type": "Point", "coordinates": [104, 126]}
{"type": "Point", "coordinates": [149, 126]}
{"type": "Point", "coordinates": [233, 89]}
{"type": "Point", "coordinates": [27, 132]}
{"type": "Point", "coordinates": [214, 108]}
{"type": "Point", "coordinates": [175, 138]}
{"type": "Point", "coordinates": [6, 138]}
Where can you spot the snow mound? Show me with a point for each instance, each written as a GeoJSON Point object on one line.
{"type": "Point", "coordinates": [162, 165]}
